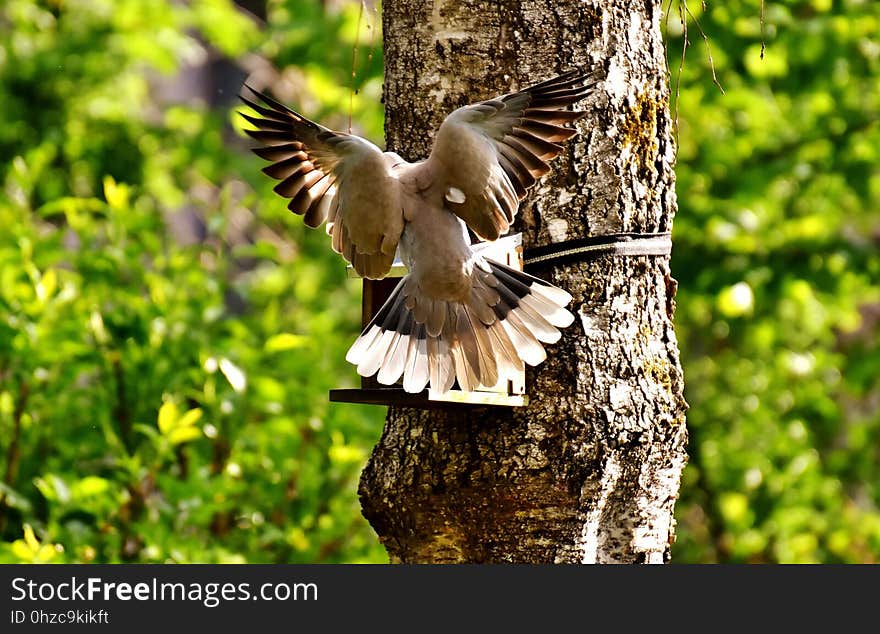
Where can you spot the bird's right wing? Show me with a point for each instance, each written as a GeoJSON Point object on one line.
{"type": "Point", "coordinates": [330, 176]}
{"type": "Point", "coordinates": [486, 155]}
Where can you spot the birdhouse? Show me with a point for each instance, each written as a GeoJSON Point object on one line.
{"type": "Point", "coordinates": [507, 393]}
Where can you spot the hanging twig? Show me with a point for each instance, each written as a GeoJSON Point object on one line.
{"type": "Point", "coordinates": [682, 7]}
{"type": "Point", "coordinates": [372, 30]}
{"type": "Point", "coordinates": [708, 48]}
{"type": "Point", "coordinates": [666, 16]}
{"type": "Point", "coordinates": [684, 12]}
{"type": "Point", "coordinates": [763, 45]}
{"type": "Point", "coordinates": [354, 53]}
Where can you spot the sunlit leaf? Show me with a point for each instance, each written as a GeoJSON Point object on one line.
{"type": "Point", "coordinates": [233, 374]}
{"type": "Point", "coordinates": [30, 539]}
{"type": "Point", "coordinates": [168, 417]}
{"type": "Point", "coordinates": [88, 487]}
{"type": "Point", "coordinates": [115, 193]}
{"type": "Point", "coordinates": [285, 341]}
{"type": "Point", "coordinates": [190, 418]}
{"type": "Point", "coordinates": [180, 435]}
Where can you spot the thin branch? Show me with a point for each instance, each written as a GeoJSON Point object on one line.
{"type": "Point", "coordinates": [682, 7]}
{"type": "Point", "coordinates": [372, 30]}
{"type": "Point", "coordinates": [666, 22]}
{"type": "Point", "coordinates": [763, 45]}
{"type": "Point", "coordinates": [708, 48]}
{"type": "Point", "coordinates": [354, 56]}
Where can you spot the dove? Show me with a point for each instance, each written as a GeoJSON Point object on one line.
{"type": "Point", "coordinates": [456, 316]}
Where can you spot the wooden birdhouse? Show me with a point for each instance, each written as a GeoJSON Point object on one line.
{"type": "Point", "coordinates": [507, 393]}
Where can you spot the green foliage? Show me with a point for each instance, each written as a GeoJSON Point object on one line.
{"type": "Point", "coordinates": [776, 255]}
{"type": "Point", "coordinates": [163, 396]}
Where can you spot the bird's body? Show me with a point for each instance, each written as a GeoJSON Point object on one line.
{"type": "Point", "coordinates": [434, 246]}
{"type": "Point", "coordinates": [456, 316]}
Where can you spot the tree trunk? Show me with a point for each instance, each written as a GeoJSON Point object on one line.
{"type": "Point", "coordinates": [590, 470]}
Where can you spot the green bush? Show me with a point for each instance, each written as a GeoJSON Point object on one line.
{"type": "Point", "coordinates": [776, 254]}
{"type": "Point", "coordinates": [164, 399]}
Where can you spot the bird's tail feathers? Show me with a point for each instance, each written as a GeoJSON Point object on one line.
{"type": "Point", "coordinates": [478, 341]}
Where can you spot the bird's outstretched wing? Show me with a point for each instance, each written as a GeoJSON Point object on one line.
{"type": "Point", "coordinates": [486, 155]}
{"type": "Point", "coordinates": [335, 177]}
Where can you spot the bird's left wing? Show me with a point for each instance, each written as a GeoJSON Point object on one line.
{"type": "Point", "coordinates": [486, 155]}
{"type": "Point", "coordinates": [335, 177]}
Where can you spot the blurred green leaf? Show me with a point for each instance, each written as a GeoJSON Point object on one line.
{"type": "Point", "coordinates": [168, 417]}
{"type": "Point", "coordinates": [285, 341]}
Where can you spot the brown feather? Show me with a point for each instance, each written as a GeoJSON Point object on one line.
{"type": "Point", "coordinates": [487, 294]}
{"type": "Point", "coordinates": [467, 340]}
{"type": "Point", "coordinates": [570, 76]}
{"type": "Point", "coordinates": [544, 150]}
{"type": "Point", "coordinates": [291, 185]}
{"type": "Point", "coordinates": [545, 131]}
{"type": "Point", "coordinates": [488, 367]}
{"type": "Point", "coordinates": [424, 307]}
{"type": "Point", "coordinates": [472, 211]}
{"type": "Point", "coordinates": [467, 380]}
{"type": "Point", "coordinates": [340, 237]}
{"type": "Point", "coordinates": [267, 124]}
{"type": "Point", "coordinates": [514, 151]}
{"type": "Point", "coordinates": [287, 167]}
{"type": "Point", "coordinates": [317, 210]}
{"type": "Point", "coordinates": [559, 101]}
{"type": "Point", "coordinates": [271, 137]}
{"type": "Point", "coordinates": [507, 201]}
{"type": "Point", "coordinates": [436, 317]}
{"type": "Point", "coordinates": [269, 113]}
{"type": "Point", "coordinates": [552, 116]}
{"type": "Point", "coordinates": [509, 363]}
{"type": "Point", "coordinates": [532, 162]}
{"type": "Point", "coordinates": [434, 362]}
{"type": "Point", "coordinates": [559, 98]}
{"type": "Point", "coordinates": [447, 368]}
{"type": "Point", "coordinates": [519, 176]}
{"type": "Point", "coordinates": [278, 152]}
{"type": "Point", "coordinates": [480, 308]}
{"type": "Point", "coordinates": [332, 215]}
{"type": "Point", "coordinates": [300, 202]}
{"type": "Point", "coordinates": [415, 374]}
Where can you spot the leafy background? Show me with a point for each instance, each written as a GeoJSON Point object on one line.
{"type": "Point", "coordinates": [168, 332]}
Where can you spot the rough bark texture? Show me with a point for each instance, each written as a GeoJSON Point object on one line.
{"type": "Point", "coordinates": [589, 472]}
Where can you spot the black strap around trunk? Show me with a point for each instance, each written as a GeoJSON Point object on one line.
{"type": "Point", "coordinates": [581, 249]}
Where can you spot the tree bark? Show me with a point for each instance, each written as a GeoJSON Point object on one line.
{"type": "Point", "coordinates": [589, 471]}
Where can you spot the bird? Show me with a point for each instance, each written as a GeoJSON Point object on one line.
{"type": "Point", "coordinates": [456, 316]}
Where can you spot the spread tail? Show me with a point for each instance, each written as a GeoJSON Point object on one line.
{"type": "Point", "coordinates": [477, 341]}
